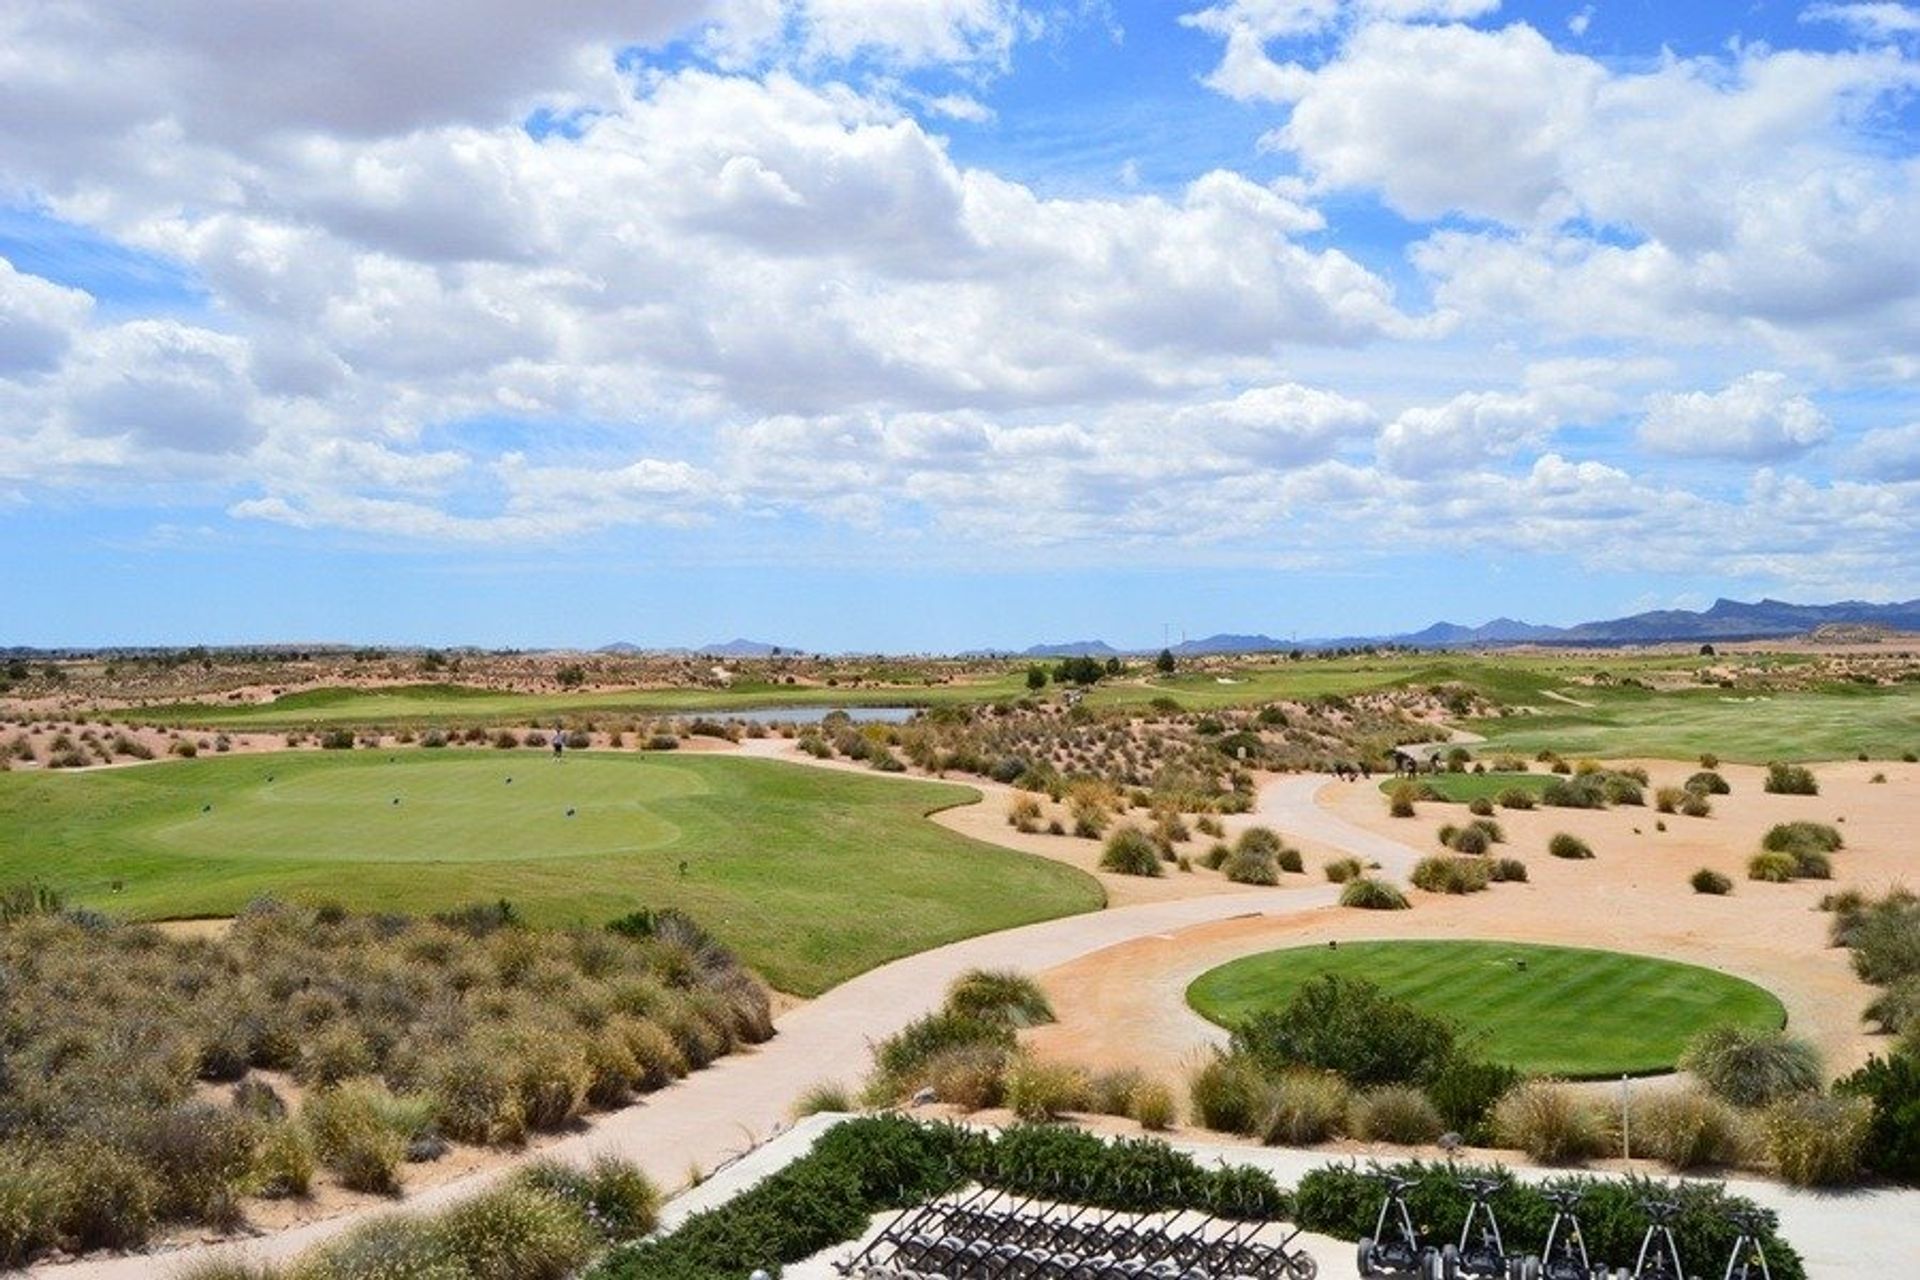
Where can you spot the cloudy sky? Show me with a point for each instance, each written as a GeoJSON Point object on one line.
{"type": "Point", "coordinates": [938, 323]}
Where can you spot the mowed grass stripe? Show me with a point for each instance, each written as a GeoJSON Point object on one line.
{"type": "Point", "coordinates": [811, 876]}
{"type": "Point", "coordinates": [1571, 1011]}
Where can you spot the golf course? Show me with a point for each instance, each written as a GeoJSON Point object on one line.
{"type": "Point", "coordinates": [810, 876]}
{"type": "Point", "coordinates": [1568, 1012]}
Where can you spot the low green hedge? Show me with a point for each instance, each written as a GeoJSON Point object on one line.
{"type": "Point", "coordinates": [1344, 1201]}
{"type": "Point", "coordinates": [869, 1165]}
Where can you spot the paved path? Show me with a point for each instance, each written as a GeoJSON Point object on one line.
{"type": "Point", "coordinates": [1288, 803]}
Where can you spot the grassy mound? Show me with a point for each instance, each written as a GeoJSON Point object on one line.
{"type": "Point", "coordinates": [1569, 1012]}
{"type": "Point", "coordinates": [811, 877]}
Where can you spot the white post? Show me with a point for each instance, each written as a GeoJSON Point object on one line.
{"type": "Point", "coordinates": [1626, 1119]}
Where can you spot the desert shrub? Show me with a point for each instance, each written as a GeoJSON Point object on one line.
{"type": "Point", "coordinates": [1884, 937]}
{"type": "Point", "coordinates": [1549, 1122]}
{"type": "Point", "coordinates": [1263, 840]}
{"type": "Point", "coordinates": [112, 1199]}
{"type": "Point", "coordinates": [337, 740]}
{"type": "Point", "coordinates": [1816, 1140]}
{"type": "Point", "coordinates": [968, 1076]}
{"type": "Point", "coordinates": [1038, 1091]}
{"type": "Point", "coordinates": [1707, 880]}
{"type": "Point", "coordinates": [200, 1154]}
{"type": "Point", "coordinates": [476, 1098]}
{"type": "Point", "coordinates": [1480, 806]}
{"type": "Point", "coordinates": [551, 1076]}
{"type": "Point", "coordinates": [1400, 800]}
{"type": "Point", "coordinates": [333, 1054]}
{"type": "Point", "coordinates": [1668, 799]}
{"type": "Point", "coordinates": [1696, 805]}
{"type": "Point", "coordinates": [1251, 866]}
{"type": "Point", "coordinates": [1790, 780]}
{"type": "Point", "coordinates": [1793, 837]}
{"type": "Point", "coordinates": [1396, 1113]}
{"type": "Point", "coordinates": [1890, 1086]}
{"type": "Point", "coordinates": [1516, 798]}
{"type": "Point", "coordinates": [612, 1196]}
{"type": "Point", "coordinates": [1452, 875]}
{"type": "Point", "coordinates": [826, 1096]}
{"type": "Point", "coordinates": [1368, 893]}
{"type": "Point", "coordinates": [1752, 1068]}
{"type": "Point", "coordinates": [1152, 1106]}
{"type": "Point", "coordinates": [353, 1138]}
{"type": "Point", "coordinates": [1289, 859]}
{"type": "Point", "coordinates": [1024, 814]}
{"type": "Point", "coordinates": [1507, 870]}
{"type": "Point", "coordinates": [901, 1059]}
{"type": "Point", "coordinates": [1228, 1093]}
{"type": "Point", "coordinates": [1565, 845]}
{"type": "Point", "coordinates": [662, 742]}
{"type": "Point", "coordinates": [1110, 1093]}
{"type": "Point", "coordinates": [1472, 840]}
{"type": "Point", "coordinates": [1620, 788]}
{"type": "Point", "coordinates": [1305, 1107]}
{"type": "Point", "coordinates": [1573, 793]}
{"type": "Point", "coordinates": [30, 1202]}
{"type": "Point", "coordinates": [1708, 783]}
{"type": "Point", "coordinates": [1811, 864]}
{"type": "Point", "coordinates": [1896, 1008]}
{"type": "Point", "coordinates": [999, 995]}
{"type": "Point", "coordinates": [1216, 856]}
{"type": "Point", "coordinates": [1349, 1026]}
{"type": "Point", "coordinates": [1341, 870]}
{"type": "Point", "coordinates": [282, 1161]}
{"type": "Point", "coordinates": [1692, 1129]}
{"type": "Point", "coordinates": [1130, 851]}
{"type": "Point", "coordinates": [1773, 868]}
{"type": "Point", "coordinates": [1465, 1090]}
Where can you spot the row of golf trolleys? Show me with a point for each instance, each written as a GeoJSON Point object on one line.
{"type": "Point", "coordinates": [990, 1234]}
{"type": "Point", "coordinates": [1394, 1248]}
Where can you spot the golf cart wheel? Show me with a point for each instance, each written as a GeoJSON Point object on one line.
{"type": "Point", "coordinates": [1301, 1266]}
{"type": "Point", "coordinates": [1433, 1266]}
{"type": "Point", "coordinates": [1449, 1263]}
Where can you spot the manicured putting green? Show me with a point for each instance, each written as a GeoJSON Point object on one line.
{"type": "Point", "coordinates": [1460, 788]}
{"type": "Point", "coordinates": [1569, 1012]}
{"type": "Point", "coordinates": [811, 876]}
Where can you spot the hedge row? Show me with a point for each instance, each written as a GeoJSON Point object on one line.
{"type": "Point", "coordinates": [873, 1164]}
{"type": "Point", "coordinates": [1344, 1201]}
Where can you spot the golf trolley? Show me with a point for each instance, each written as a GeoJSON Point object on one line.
{"type": "Point", "coordinates": [1484, 1256]}
{"type": "Point", "coordinates": [1565, 1255]}
{"type": "Point", "coordinates": [1399, 1253]}
{"type": "Point", "coordinates": [1748, 1261]}
{"type": "Point", "coordinates": [1659, 1256]}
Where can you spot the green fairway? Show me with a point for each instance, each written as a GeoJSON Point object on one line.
{"type": "Point", "coordinates": [1571, 1012]}
{"type": "Point", "coordinates": [1461, 788]}
{"type": "Point", "coordinates": [811, 876]}
{"type": "Point", "coordinates": [1834, 723]}
{"type": "Point", "coordinates": [447, 705]}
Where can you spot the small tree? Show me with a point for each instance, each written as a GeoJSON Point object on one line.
{"type": "Point", "coordinates": [1036, 677]}
{"type": "Point", "coordinates": [571, 676]}
{"type": "Point", "coordinates": [1164, 664]}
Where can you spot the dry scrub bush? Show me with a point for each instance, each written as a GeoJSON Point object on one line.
{"type": "Point", "coordinates": [1817, 1140]}
{"type": "Point", "coordinates": [1040, 1091]}
{"type": "Point", "coordinates": [1692, 1129]}
{"type": "Point", "coordinates": [1752, 1068]}
{"type": "Point", "coordinates": [1305, 1107]}
{"type": "Point", "coordinates": [1131, 852]}
{"type": "Point", "coordinates": [1549, 1122]}
{"type": "Point", "coordinates": [1572, 847]}
{"type": "Point", "coordinates": [1451, 875]}
{"type": "Point", "coordinates": [1396, 1113]}
{"type": "Point", "coordinates": [1370, 894]}
{"type": "Point", "coordinates": [1341, 870]}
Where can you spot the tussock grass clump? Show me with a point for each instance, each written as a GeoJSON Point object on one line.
{"type": "Point", "coordinates": [1229, 1094]}
{"type": "Point", "coordinates": [1369, 893]}
{"type": "Point", "coordinates": [1796, 837]}
{"type": "Point", "coordinates": [1773, 868]}
{"type": "Point", "coordinates": [1790, 780]}
{"type": "Point", "coordinates": [1708, 783]}
{"type": "Point", "coordinates": [1152, 1106]}
{"type": "Point", "coordinates": [1400, 800]}
{"type": "Point", "coordinates": [1515, 798]}
{"type": "Point", "coordinates": [1040, 1091]}
{"type": "Point", "coordinates": [999, 995]}
{"type": "Point", "coordinates": [1507, 871]}
{"type": "Point", "coordinates": [1565, 845]}
{"type": "Point", "coordinates": [1818, 1140]}
{"type": "Point", "coordinates": [1396, 1113]}
{"type": "Point", "coordinates": [1251, 866]}
{"type": "Point", "coordinates": [1752, 1068]}
{"type": "Point", "coordinates": [1130, 851]}
{"type": "Point", "coordinates": [1452, 875]}
{"type": "Point", "coordinates": [1707, 880]}
{"type": "Point", "coordinates": [1550, 1123]}
{"type": "Point", "coordinates": [1304, 1107]}
{"type": "Point", "coordinates": [1341, 870]}
{"type": "Point", "coordinates": [1692, 1129]}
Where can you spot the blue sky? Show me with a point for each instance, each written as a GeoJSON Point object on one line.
{"type": "Point", "coordinates": [933, 324]}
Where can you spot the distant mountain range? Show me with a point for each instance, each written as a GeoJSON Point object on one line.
{"type": "Point", "coordinates": [1726, 620]}
{"type": "Point", "coordinates": [723, 649]}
